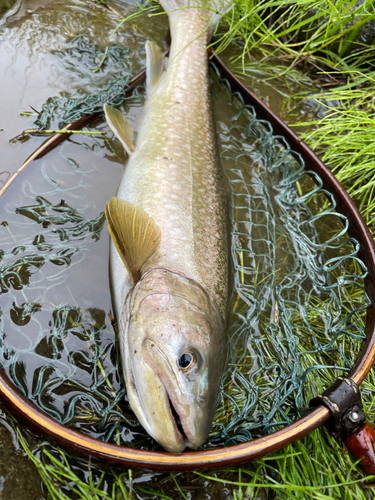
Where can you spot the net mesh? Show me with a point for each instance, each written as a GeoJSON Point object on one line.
{"type": "Point", "coordinates": [299, 303]}
{"type": "Point", "coordinates": [296, 313]}
{"type": "Point", "coordinates": [108, 72]}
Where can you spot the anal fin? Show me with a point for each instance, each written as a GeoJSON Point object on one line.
{"type": "Point", "coordinates": [135, 234]}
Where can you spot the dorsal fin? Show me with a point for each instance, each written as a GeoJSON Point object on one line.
{"type": "Point", "coordinates": [155, 62]}
{"type": "Point", "coordinates": [135, 234]}
{"type": "Point", "coordinates": [120, 127]}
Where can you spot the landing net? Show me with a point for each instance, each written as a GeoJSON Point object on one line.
{"type": "Point", "coordinates": [297, 309]}
{"type": "Point", "coordinates": [97, 66]}
{"type": "Point", "coordinates": [298, 305]}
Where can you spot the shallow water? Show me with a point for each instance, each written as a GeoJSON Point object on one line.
{"type": "Point", "coordinates": [18, 476]}
{"type": "Point", "coordinates": [82, 173]}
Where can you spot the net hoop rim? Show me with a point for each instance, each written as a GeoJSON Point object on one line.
{"type": "Point", "coordinates": [219, 457]}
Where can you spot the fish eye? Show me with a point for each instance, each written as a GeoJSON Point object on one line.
{"type": "Point", "coordinates": [187, 360]}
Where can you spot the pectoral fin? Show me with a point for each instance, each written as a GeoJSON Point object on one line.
{"type": "Point", "coordinates": [120, 127]}
{"type": "Point", "coordinates": [155, 63]}
{"type": "Point", "coordinates": [135, 234]}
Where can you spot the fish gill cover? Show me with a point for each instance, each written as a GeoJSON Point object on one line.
{"type": "Point", "coordinates": [290, 317]}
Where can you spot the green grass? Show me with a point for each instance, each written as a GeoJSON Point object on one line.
{"type": "Point", "coordinates": [345, 140]}
{"type": "Point", "coordinates": [317, 467]}
{"type": "Point", "coordinates": [62, 482]}
{"type": "Point", "coordinates": [317, 32]}
{"type": "Point", "coordinates": [317, 37]}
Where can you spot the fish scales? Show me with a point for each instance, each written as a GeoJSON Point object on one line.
{"type": "Point", "coordinates": [173, 174]}
{"type": "Point", "coordinates": [169, 252]}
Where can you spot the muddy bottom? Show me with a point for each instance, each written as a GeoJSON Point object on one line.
{"type": "Point", "coordinates": [19, 478]}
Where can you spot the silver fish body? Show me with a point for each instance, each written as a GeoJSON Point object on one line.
{"type": "Point", "coordinates": [177, 308]}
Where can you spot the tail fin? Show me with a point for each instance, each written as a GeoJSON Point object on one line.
{"type": "Point", "coordinates": [217, 7]}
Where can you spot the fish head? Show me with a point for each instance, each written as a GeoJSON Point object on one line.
{"type": "Point", "coordinates": [175, 359]}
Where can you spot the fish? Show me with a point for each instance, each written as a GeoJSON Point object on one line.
{"type": "Point", "coordinates": [169, 238]}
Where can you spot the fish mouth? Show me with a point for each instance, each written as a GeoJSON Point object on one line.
{"type": "Point", "coordinates": [173, 412]}
{"type": "Point", "coordinates": [177, 422]}
{"type": "Point", "coordinates": [180, 439]}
